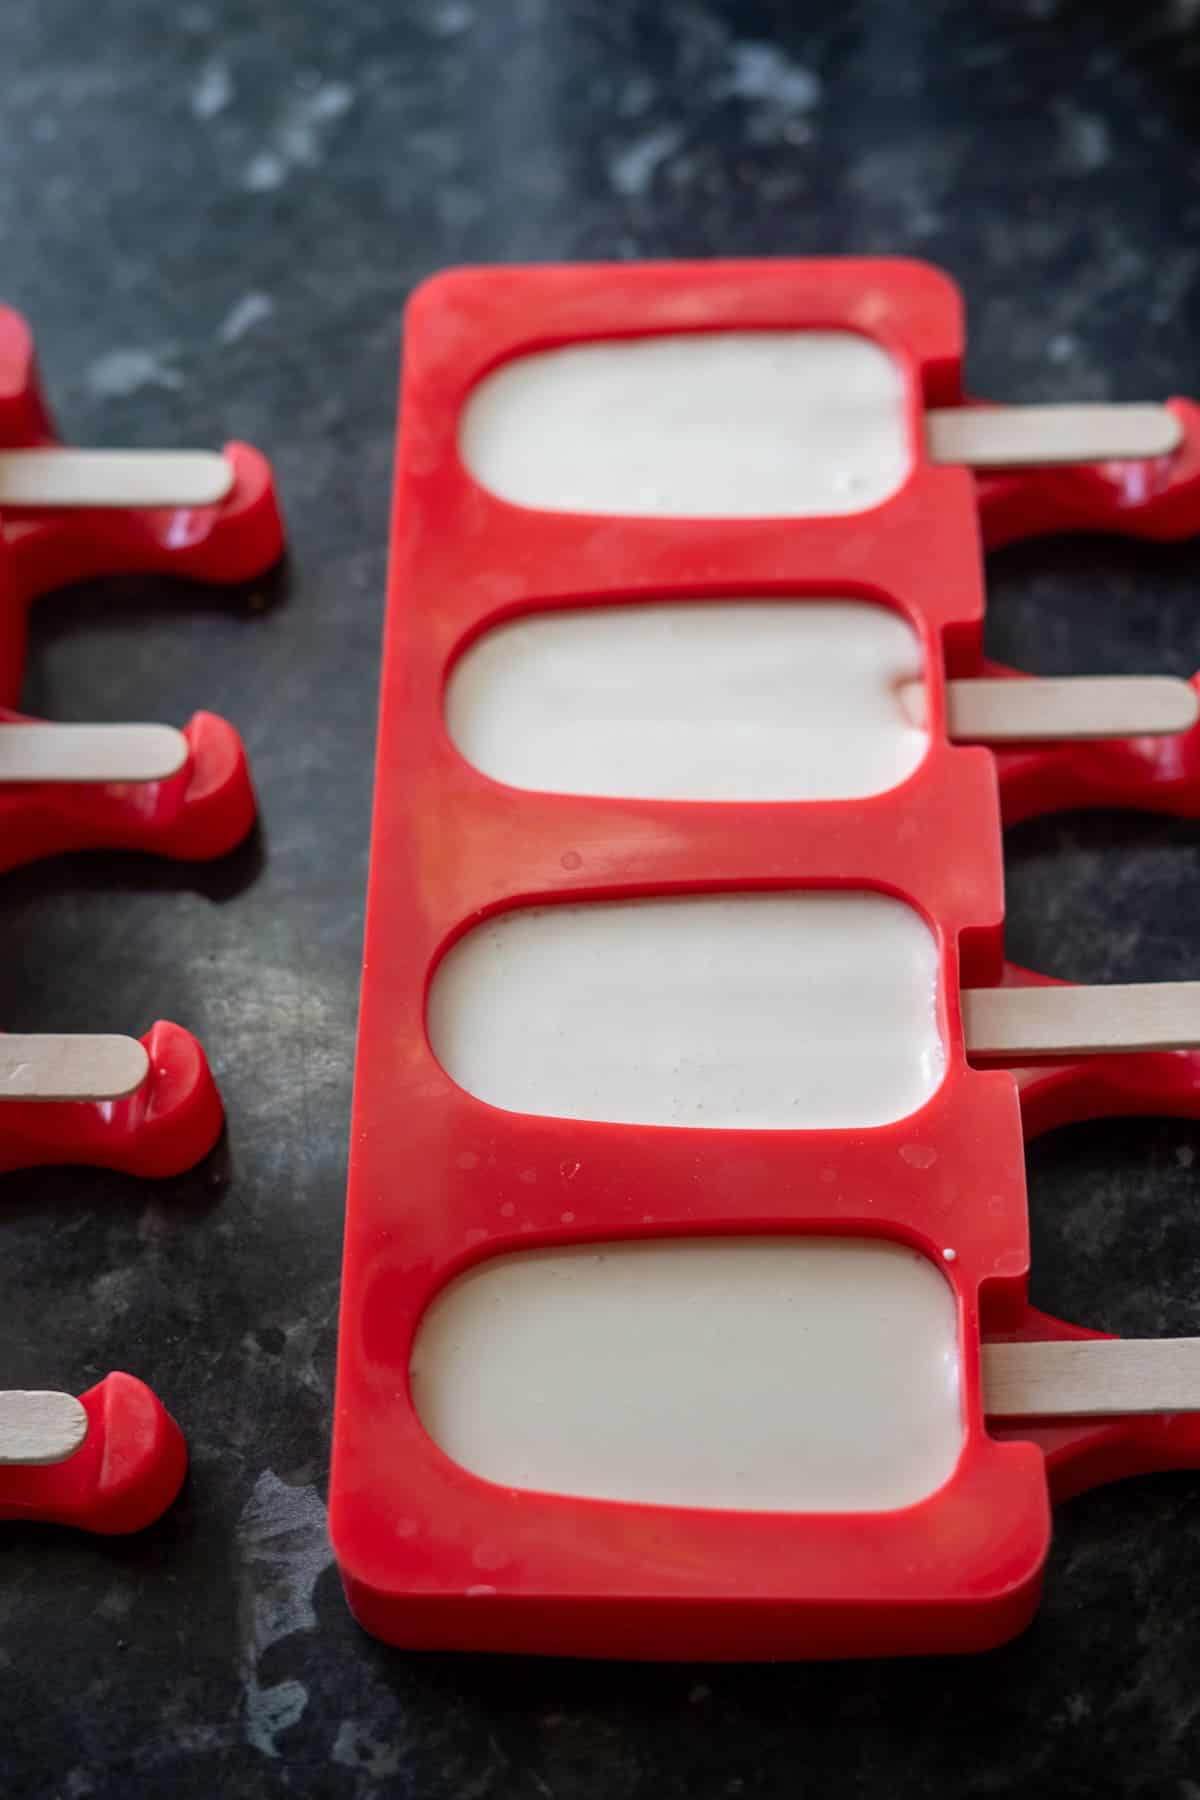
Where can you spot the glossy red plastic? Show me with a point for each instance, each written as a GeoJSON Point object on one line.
{"type": "Point", "coordinates": [430, 1555]}
{"type": "Point", "coordinates": [1146, 774]}
{"type": "Point", "coordinates": [44, 548]}
{"type": "Point", "coordinates": [164, 1127]}
{"type": "Point", "coordinates": [1157, 499]}
{"type": "Point", "coordinates": [1165, 1083]}
{"type": "Point", "coordinates": [202, 811]}
{"type": "Point", "coordinates": [124, 1475]}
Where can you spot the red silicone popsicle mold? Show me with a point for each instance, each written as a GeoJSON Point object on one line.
{"type": "Point", "coordinates": [124, 1475]}
{"type": "Point", "coordinates": [440, 1181]}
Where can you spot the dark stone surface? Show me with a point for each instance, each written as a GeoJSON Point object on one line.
{"type": "Point", "coordinates": [212, 212]}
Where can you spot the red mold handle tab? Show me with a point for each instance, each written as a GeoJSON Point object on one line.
{"type": "Point", "coordinates": [124, 1475]}
{"type": "Point", "coordinates": [1146, 1083]}
{"type": "Point", "coordinates": [1085, 1453]}
{"type": "Point", "coordinates": [233, 541]}
{"type": "Point", "coordinates": [164, 1127]}
{"type": "Point", "coordinates": [1146, 774]}
{"type": "Point", "coordinates": [24, 419]}
{"type": "Point", "coordinates": [1158, 498]}
{"type": "Point", "coordinates": [236, 540]}
{"type": "Point", "coordinates": [202, 811]}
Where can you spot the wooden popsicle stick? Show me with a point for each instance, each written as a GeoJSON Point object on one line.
{"type": "Point", "coordinates": [40, 1427]}
{"type": "Point", "coordinates": [56, 478]}
{"type": "Point", "coordinates": [60, 1067]}
{"type": "Point", "coordinates": [1017, 1022]}
{"type": "Point", "coordinates": [1072, 709]}
{"type": "Point", "coordinates": [91, 752]}
{"type": "Point", "coordinates": [1004, 437]}
{"type": "Point", "coordinates": [1087, 1377]}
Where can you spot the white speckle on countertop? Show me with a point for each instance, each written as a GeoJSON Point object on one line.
{"type": "Point", "coordinates": [119, 373]}
{"type": "Point", "coordinates": [1086, 141]}
{"type": "Point", "coordinates": [452, 17]}
{"type": "Point", "coordinates": [298, 139]}
{"type": "Point", "coordinates": [212, 91]}
{"type": "Point", "coordinates": [763, 72]}
{"type": "Point", "coordinates": [244, 315]}
{"type": "Point", "coordinates": [264, 172]}
{"type": "Point", "coordinates": [632, 169]}
{"type": "Point", "coordinates": [356, 1748]}
{"type": "Point", "coordinates": [283, 1549]}
{"type": "Point", "coordinates": [113, 1289]}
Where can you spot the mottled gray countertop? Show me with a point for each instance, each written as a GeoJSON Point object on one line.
{"type": "Point", "coordinates": [212, 213]}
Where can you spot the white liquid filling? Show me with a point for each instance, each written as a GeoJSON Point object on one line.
{"type": "Point", "coordinates": [775, 1375]}
{"type": "Point", "coordinates": [769, 1011]}
{"type": "Point", "coordinates": [694, 700]}
{"type": "Point", "coordinates": [706, 424]}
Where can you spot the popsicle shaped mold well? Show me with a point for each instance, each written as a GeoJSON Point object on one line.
{"type": "Point", "coordinates": [728, 1012]}
{"type": "Point", "coordinates": [794, 699]}
{"type": "Point", "coordinates": [768, 423]}
{"type": "Point", "coordinates": [759, 1375]}
{"type": "Point", "coordinates": [445, 1184]}
{"type": "Point", "coordinates": [806, 1374]}
{"type": "Point", "coordinates": [703, 424]}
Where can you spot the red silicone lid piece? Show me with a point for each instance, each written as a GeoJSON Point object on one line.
{"type": "Point", "coordinates": [1085, 1453]}
{"type": "Point", "coordinates": [125, 1474]}
{"type": "Point", "coordinates": [1147, 774]}
{"type": "Point", "coordinates": [1162, 1082]}
{"type": "Point", "coordinates": [41, 549]}
{"type": "Point", "coordinates": [1158, 499]}
{"type": "Point", "coordinates": [202, 811]}
{"type": "Point", "coordinates": [162, 1128]}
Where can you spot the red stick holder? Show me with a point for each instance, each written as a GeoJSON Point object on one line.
{"type": "Point", "coordinates": [123, 1477]}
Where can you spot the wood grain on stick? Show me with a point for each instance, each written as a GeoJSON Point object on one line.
{"type": "Point", "coordinates": [1016, 1022]}
{"type": "Point", "coordinates": [58, 478]}
{"type": "Point", "coordinates": [1070, 709]}
{"type": "Point", "coordinates": [90, 753]}
{"type": "Point", "coordinates": [1001, 437]}
{"type": "Point", "coordinates": [46, 1066]}
{"type": "Point", "coordinates": [40, 1427]}
{"type": "Point", "coordinates": [1091, 1377]}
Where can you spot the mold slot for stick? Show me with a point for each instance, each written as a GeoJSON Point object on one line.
{"type": "Point", "coordinates": [778, 1374]}
{"type": "Point", "coordinates": [701, 424]}
{"type": "Point", "coordinates": [738, 700]}
{"type": "Point", "coordinates": [805, 1009]}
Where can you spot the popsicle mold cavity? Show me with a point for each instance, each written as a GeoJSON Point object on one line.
{"type": "Point", "coordinates": [694, 700]}
{"type": "Point", "coordinates": [797, 1010]}
{"type": "Point", "coordinates": [773, 1374]}
{"type": "Point", "coordinates": [703, 424]}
